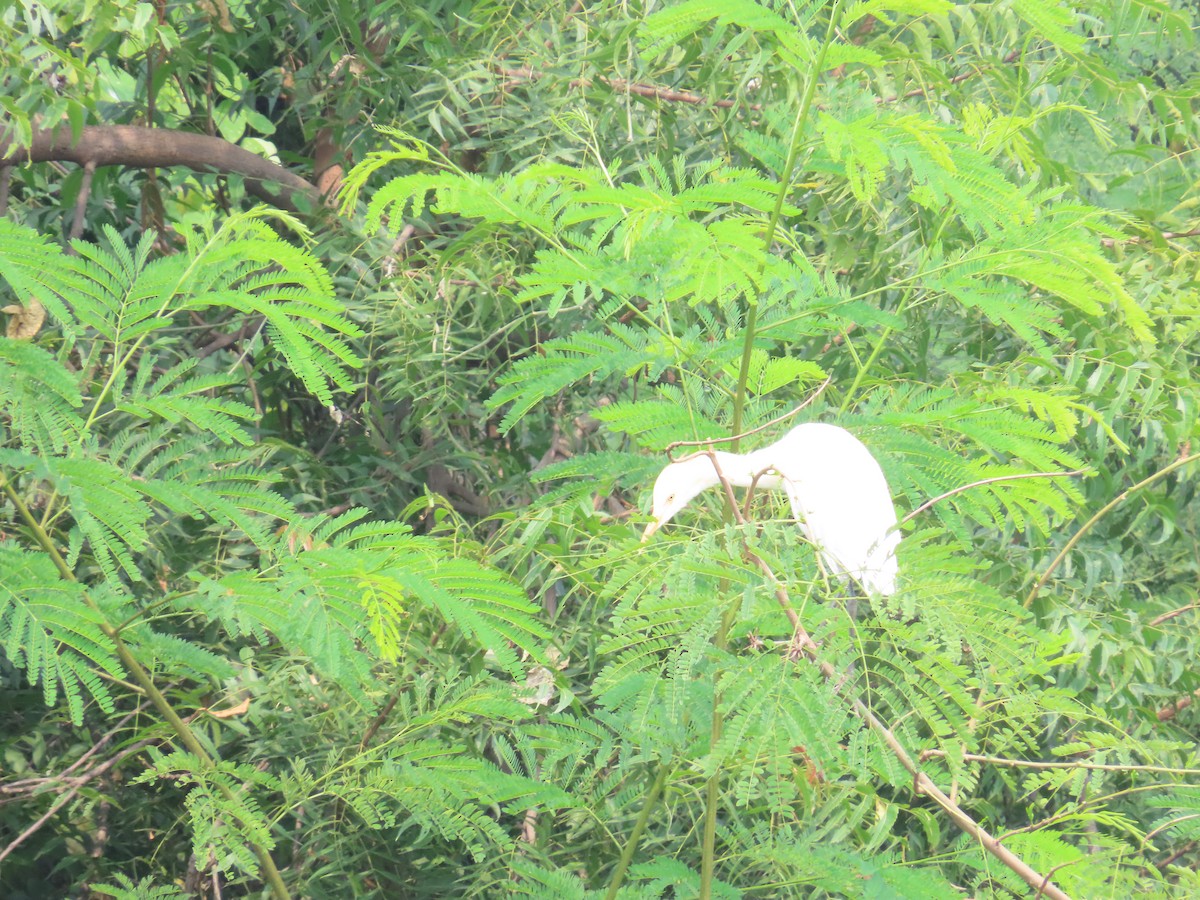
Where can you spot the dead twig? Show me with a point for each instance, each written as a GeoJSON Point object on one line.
{"type": "Point", "coordinates": [1067, 764]}
{"type": "Point", "coordinates": [803, 645]}
{"type": "Point", "coordinates": [525, 73]}
{"type": "Point", "coordinates": [737, 437]}
{"type": "Point", "coordinates": [1105, 510]}
{"type": "Point", "coordinates": [77, 782]}
{"type": "Point", "coordinates": [1158, 620]}
{"type": "Point", "coordinates": [974, 484]}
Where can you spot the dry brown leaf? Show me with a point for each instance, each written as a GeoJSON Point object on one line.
{"type": "Point", "coordinates": [24, 321]}
{"type": "Point", "coordinates": [232, 711]}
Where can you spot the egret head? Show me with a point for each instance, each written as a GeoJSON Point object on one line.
{"type": "Point", "coordinates": [677, 484]}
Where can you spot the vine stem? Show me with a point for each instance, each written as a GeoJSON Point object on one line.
{"type": "Point", "coordinates": [188, 737]}
{"type": "Point", "coordinates": [785, 186]}
{"type": "Point", "coordinates": [1105, 510]}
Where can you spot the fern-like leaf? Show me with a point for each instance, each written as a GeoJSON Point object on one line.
{"type": "Point", "coordinates": [50, 632]}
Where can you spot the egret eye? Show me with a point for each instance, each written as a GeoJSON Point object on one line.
{"type": "Point", "coordinates": [671, 499]}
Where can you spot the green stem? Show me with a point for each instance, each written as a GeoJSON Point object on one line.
{"type": "Point", "coordinates": [712, 793]}
{"type": "Point", "coordinates": [142, 677]}
{"type": "Point", "coordinates": [862, 370]}
{"type": "Point", "coordinates": [1105, 510]}
{"type": "Point", "coordinates": [712, 790]}
{"type": "Point", "coordinates": [785, 187]}
{"type": "Point", "coordinates": [145, 611]}
{"type": "Point", "coordinates": [39, 533]}
{"type": "Point", "coordinates": [639, 826]}
{"type": "Point", "coordinates": [739, 396]}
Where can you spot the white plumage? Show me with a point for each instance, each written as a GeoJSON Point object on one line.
{"type": "Point", "coordinates": [837, 490]}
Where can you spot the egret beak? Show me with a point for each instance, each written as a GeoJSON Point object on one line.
{"type": "Point", "coordinates": [654, 525]}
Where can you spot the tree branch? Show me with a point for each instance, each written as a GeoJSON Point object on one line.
{"type": "Point", "coordinates": [143, 148]}
{"type": "Point", "coordinates": [804, 645]}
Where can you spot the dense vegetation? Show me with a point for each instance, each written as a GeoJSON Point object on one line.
{"type": "Point", "coordinates": [344, 345]}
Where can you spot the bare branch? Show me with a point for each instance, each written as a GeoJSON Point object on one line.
{"type": "Point", "coordinates": [803, 644]}
{"type": "Point", "coordinates": [1158, 620]}
{"type": "Point", "coordinates": [524, 73]}
{"type": "Point", "coordinates": [133, 145]}
{"type": "Point", "coordinates": [1066, 764]}
{"type": "Point", "coordinates": [974, 484]}
{"type": "Point", "coordinates": [737, 437]}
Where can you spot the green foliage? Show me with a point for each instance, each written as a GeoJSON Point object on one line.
{"type": "Point", "coordinates": [108, 465]}
{"type": "Point", "coordinates": [126, 889]}
{"type": "Point", "coordinates": [226, 823]}
{"type": "Point", "coordinates": [50, 632]}
{"type": "Point", "coordinates": [646, 273]}
{"type": "Point", "coordinates": [965, 228]}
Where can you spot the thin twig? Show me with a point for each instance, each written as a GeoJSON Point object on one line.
{"type": "Point", "coordinates": [1105, 510]}
{"type": "Point", "coordinates": [77, 784]}
{"type": "Point", "coordinates": [225, 339]}
{"type": "Point", "coordinates": [524, 73]}
{"type": "Point", "coordinates": [1158, 620]}
{"type": "Point", "coordinates": [957, 79]}
{"type": "Point", "coordinates": [1185, 849]}
{"type": "Point", "coordinates": [1092, 767]}
{"type": "Point", "coordinates": [1171, 823]}
{"type": "Point", "coordinates": [1042, 888]}
{"type": "Point", "coordinates": [922, 783]}
{"type": "Point", "coordinates": [378, 721]}
{"type": "Point", "coordinates": [65, 777]}
{"type": "Point", "coordinates": [974, 484]}
{"type": "Point", "coordinates": [737, 437]}
{"type": "Point", "coordinates": [1165, 235]}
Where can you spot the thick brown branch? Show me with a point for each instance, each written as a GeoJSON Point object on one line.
{"type": "Point", "coordinates": [133, 145]}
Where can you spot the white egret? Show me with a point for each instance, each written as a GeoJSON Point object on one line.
{"type": "Point", "coordinates": [836, 488]}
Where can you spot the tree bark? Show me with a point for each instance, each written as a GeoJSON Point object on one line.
{"type": "Point", "coordinates": [140, 147]}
